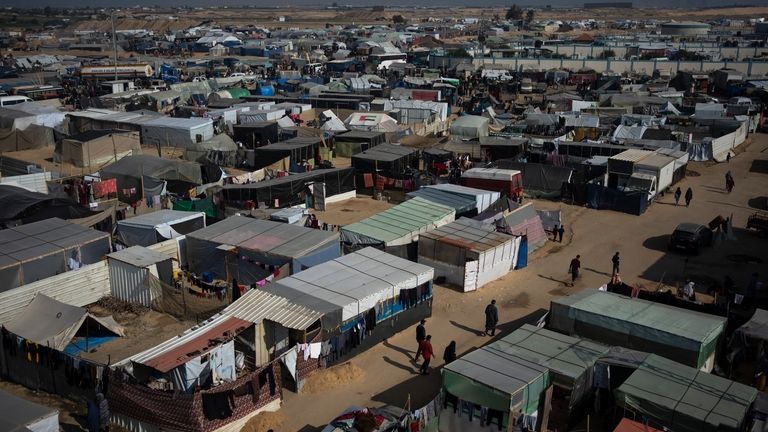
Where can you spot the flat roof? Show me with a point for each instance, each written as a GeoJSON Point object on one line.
{"type": "Point", "coordinates": [467, 235]}
{"type": "Point", "coordinates": [139, 256]}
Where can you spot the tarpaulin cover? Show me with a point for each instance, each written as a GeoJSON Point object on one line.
{"type": "Point", "coordinates": [462, 204]}
{"type": "Point", "coordinates": [52, 323]}
{"type": "Point", "coordinates": [524, 220]}
{"type": "Point", "coordinates": [550, 218]}
{"type": "Point", "coordinates": [756, 327]}
{"type": "Point", "coordinates": [201, 205]}
{"type": "Point", "coordinates": [348, 286]}
{"type": "Point", "coordinates": [569, 359]}
{"type": "Point", "coordinates": [33, 137]}
{"type": "Point", "coordinates": [603, 198]}
{"type": "Point", "coordinates": [685, 399]}
{"type": "Point", "coordinates": [540, 180]}
{"type": "Point", "coordinates": [298, 149]}
{"type": "Point", "coordinates": [151, 228]}
{"type": "Point", "coordinates": [399, 225]}
{"type": "Point", "coordinates": [386, 159]}
{"type": "Point", "coordinates": [495, 378]}
{"type": "Point", "coordinates": [289, 190]}
{"type": "Point", "coordinates": [42, 249]}
{"type": "Point", "coordinates": [470, 126]}
{"type": "Point", "coordinates": [129, 170]}
{"type": "Point", "coordinates": [678, 334]}
{"type": "Point", "coordinates": [522, 253]}
{"type": "Point", "coordinates": [19, 203]}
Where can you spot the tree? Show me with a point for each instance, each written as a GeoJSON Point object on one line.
{"type": "Point", "coordinates": [514, 12]}
{"type": "Point", "coordinates": [607, 54]}
{"type": "Point", "coordinates": [398, 19]}
{"type": "Point", "coordinates": [529, 15]}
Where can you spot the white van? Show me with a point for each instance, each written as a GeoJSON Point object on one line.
{"type": "Point", "coordinates": [13, 100]}
{"type": "Point", "coordinates": [526, 85]}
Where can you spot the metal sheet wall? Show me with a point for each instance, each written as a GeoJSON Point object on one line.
{"type": "Point", "coordinates": [79, 288]}
{"type": "Point", "coordinates": [127, 283]}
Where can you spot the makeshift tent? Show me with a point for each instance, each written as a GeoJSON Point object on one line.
{"type": "Point", "coordinates": [387, 159]}
{"type": "Point", "coordinates": [469, 127]}
{"type": "Point", "coordinates": [204, 205]}
{"type": "Point", "coordinates": [496, 379]}
{"type": "Point", "coordinates": [371, 122]}
{"type": "Point", "coordinates": [463, 205]}
{"type": "Point", "coordinates": [155, 227]}
{"type": "Point", "coordinates": [483, 198]}
{"type": "Point", "coordinates": [680, 398]}
{"type": "Point", "coordinates": [499, 147]}
{"type": "Point", "coordinates": [524, 221]}
{"type": "Point", "coordinates": [21, 204]}
{"type": "Point", "coordinates": [128, 272]}
{"type": "Point", "coordinates": [43, 249]}
{"type": "Point", "coordinates": [570, 360]}
{"type": "Point", "coordinates": [678, 334]}
{"type": "Point", "coordinates": [398, 226]}
{"type": "Point", "coordinates": [219, 150]}
{"type": "Point", "coordinates": [176, 132]}
{"type": "Point", "coordinates": [540, 180]}
{"type": "Point", "coordinates": [494, 179]}
{"type": "Point", "coordinates": [348, 286]}
{"type": "Point", "coordinates": [256, 134]}
{"type": "Point", "coordinates": [258, 247]}
{"type": "Point", "coordinates": [21, 415]}
{"type": "Point", "coordinates": [468, 253]}
{"type": "Point", "coordinates": [298, 149]}
{"type": "Point", "coordinates": [290, 190]}
{"type": "Point", "coordinates": [129, 172]}
{"type": "Point", "coordinates": [51, 323]}
{"type": "Point", "coordinates": [353, 142]}
{"type": "Point", "coordinates": [95, 148]}
{"type": "Point", "coordinates": [33, 137]}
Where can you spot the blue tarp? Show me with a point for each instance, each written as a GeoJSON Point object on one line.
{"type": "Point", "coordinates": [522, 253]}
{"type": "Point", "coordinates": [79, 344]}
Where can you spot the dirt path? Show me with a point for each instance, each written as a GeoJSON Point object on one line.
{"type": "Point", "coordinates": [524, 295]}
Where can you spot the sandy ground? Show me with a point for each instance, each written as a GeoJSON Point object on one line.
{"type": "Point", "coordinates": [524, 295]}
{"type": "Point", "coordinates": [351, 210]}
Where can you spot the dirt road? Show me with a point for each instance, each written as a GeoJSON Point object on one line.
{"type": "Point", "coordinates": [390, 375]}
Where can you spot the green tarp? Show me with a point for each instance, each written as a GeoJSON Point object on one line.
{"type": "Point", "coordinates": [684, 336]}
{"type": "Point", "coordinates": [202, 205]}
{"type": "Point", "coordinates": [492, 377]}
{"type": "Point", "coordinates": [685, 399]}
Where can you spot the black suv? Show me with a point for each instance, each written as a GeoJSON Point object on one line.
{"type": "Point", "coordinates": [690, 237]}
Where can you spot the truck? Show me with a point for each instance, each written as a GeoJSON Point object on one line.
{"type": "Point", "coordinates": [122, 71]}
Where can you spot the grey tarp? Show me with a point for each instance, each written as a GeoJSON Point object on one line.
{"type": "Point", "coordinates": [21, 415]}
{"type": "Point", "coordinates": [462, 204]}
{"type": "Point", "coordinates": [42, 249]}
{"type": "Point", "coordinates": [756, 327]}
{"type": "Point", "coordinates": [684, 399]}
{"type": "Point", "coordinates": [540, 180]}
{"type": "Point", "coordinates": [151, 228]}
{"type": "Point", "coordinates": [54, 324]}
{"type": "Point", "coordinates": [258, 245]}
{"type": "Point", "coordinates": [129, 170]}
{"type": "Point", "coordinates": [33, 137]}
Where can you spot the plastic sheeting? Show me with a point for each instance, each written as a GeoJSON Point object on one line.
{"type": "Point", "coordinates": [162, 225]}
{"type": "Point", "coordinates": [540, 180]}
{"type": "Point", "coordinates": [289, 190]}
{"type": "Point", "coordinates": [680, 335]}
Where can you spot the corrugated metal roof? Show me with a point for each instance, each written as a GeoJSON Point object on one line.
{"type": "Point", "coordinates": [192, 343]}
{"type": "Point", "coordinates": [139, 256]}
{"type": "Point", "coordinates": [656, 160]}
{"type": "Point", "coordinates": [404, 220]}
{"type": "Point", "coordinates": [258, 305]}
{"type": "Point", "coordinates": [161, 217]}
{"type": "Point", "coordinates": [460, 203]}
{"type": "Point", "coordinates": [631, 155]}
{"type": "Point", "coordinates": [266, 236]}
{"type": "Point", "coordinates": [468, 236]}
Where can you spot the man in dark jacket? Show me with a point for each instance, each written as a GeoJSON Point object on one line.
{"type": "Point", "coordinates": [491, 318]}
{"type": "Point", "coordinates": [615, 260]}
{"type": "Point", "coordinates": [421, 334]}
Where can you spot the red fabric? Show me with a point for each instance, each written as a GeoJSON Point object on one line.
{"type": "Point", "coordinates": [426, 349]}
{"type": "Point", "coordinates": [368, 180]}
{"type": "Point", "coordinates": [380, 182]}
{"type": "Point", "coordinates": [104, 188]}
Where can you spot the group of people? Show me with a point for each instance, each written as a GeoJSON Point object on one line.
{"type": "Point", "coordinates": [424, 340]}
{"type": "Point", "coordinates": [688, 196]}
{"type": "Point", "coordinates": [558, 231]}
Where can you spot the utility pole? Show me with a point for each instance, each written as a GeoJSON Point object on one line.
{"type": "Point", "coordinates": [114, 41]}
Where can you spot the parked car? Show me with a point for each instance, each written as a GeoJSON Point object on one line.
{"type": "Point", "coordinates": [690, 237]}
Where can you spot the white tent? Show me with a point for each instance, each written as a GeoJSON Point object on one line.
{"type": "Point", "coordinates": [151, 228]}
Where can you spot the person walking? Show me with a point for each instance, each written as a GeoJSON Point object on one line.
{"type": "Point", "coordinates": [491, 318]}
{"type": "Point", "coordinates": [561, 231]}
{"type": "Point", "coordinates": [678, 194]}
{"type": "Point", "coordinates": [688, 197]}
{"type": "Point", "coordinates": [421, 334]}
{"type": "Point", "coordinates": [449, 354]}
{"type": "Point", "coordinates": [728, 158]}
{"type": "Point", "coordinates": [615, 260]}
{"type": "Point", "coordinates": [426, 350]}
{"type": "Point", "coordinates": [573, 269]}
